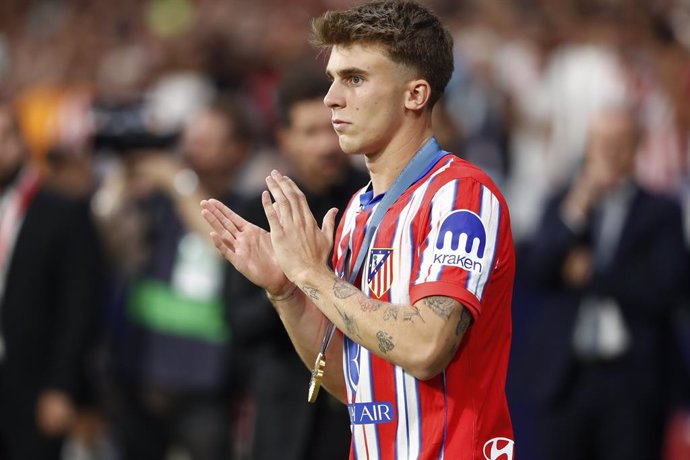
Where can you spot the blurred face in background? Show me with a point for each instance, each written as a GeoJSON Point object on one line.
{"type": "Point", "coordinates": [311, 145]}
{"type": "Point", "coordinates": [612, 145]}
{"type": "Point", "coordinates": [209, 145]}
{"type": "Point", "coordinates": [11, 149]}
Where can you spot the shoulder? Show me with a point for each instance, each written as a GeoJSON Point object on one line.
{"type": "Point", "coordinates": [50, 203]}
{"type": "Point", "coordinates": [464, 177]}
{"type": "Point", "coordinates": [53, 215]}
{"type": "Point", "coordinates": [453, 168]}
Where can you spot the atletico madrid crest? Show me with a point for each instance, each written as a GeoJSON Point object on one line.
{"type": "Point", "coordinates": [380, 271]}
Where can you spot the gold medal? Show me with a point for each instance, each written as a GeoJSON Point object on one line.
{"type": "Point", "coordinates": [316, 376]}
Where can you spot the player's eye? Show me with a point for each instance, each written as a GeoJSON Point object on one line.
{"type": "Point", "coordinates": [356, 79]}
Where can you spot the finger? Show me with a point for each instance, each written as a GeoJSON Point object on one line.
{"type": "Point", "coordinates": [271, 214]}
{"type": "Point", "coordinates": [328, 224]}
{"type": "Point", "coordinates": [221, 212]}
{"type": "Point", "coordinates": [229, 214]}
{"type": "Point", "coordinates": [274, 184]}
{"type": "Point", "coordinates": [226, 251]}
{"type": "Point", "coordinates": [298, 200]}
{"type": "Point", "coordinates": [212, 220]}
{"type": "Point", "coordinates": [226, 239]}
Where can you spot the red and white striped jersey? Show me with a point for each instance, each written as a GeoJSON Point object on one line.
{"type": "Point", "coordinates": [447, 235]}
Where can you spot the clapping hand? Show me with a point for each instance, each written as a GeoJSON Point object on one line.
{"type": "Point", "coordinates": [245, 246]}
{"type": "Point", "coordinates": [298, 242]}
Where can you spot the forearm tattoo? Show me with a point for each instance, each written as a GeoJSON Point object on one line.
{"type": "Point", "coordinates": [343, 290]}
{"type": "Point", "coordinates": [391, 313]}
{"type": "Point", "coordinates": [385, 341]}
{"type": "Point", "coordinates": [312, 292]}
{"type": "Point", "coordinates": [408, 313]}
{"type": "Point", "coordinates": [351, 326]}
{"type": "Point", "coordinates": [442, 306]}
{"type": "Point", "coordinates": [368, 304]}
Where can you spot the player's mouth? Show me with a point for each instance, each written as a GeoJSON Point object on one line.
{"type": "Point", "coordinates": [338, 124]}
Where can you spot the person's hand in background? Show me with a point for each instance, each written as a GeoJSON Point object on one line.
{"type": "Point", "coordinates": [55, 413]}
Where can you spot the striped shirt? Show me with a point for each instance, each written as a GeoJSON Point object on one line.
{"type": "Point", "coordinates": [447, 235]}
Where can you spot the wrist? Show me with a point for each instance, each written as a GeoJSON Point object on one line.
{"type": "Point", "coordinates": [280, 297]}
{"type": "Point", "coordinates": [311, 274]}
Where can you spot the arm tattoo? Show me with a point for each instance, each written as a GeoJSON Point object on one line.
{"type": "Point", "coordinates": [343, 290]}
{"type": "Point", "coordinates": [351, 326]}
{"type": "Point", "coordinates": [385, 342]}
{"type": "Point", "coordinates": [407, 313]}
{"type": "Point", "coordinates": [463, 323]}
{"type": "Point", "coordinates": [368, 304]}
{"type": "Point", "coordinates": [311, 292]}
{"type": "Point", "coordinates": [391, 312]}
{"type": "Point", "coordinates": [442, 306]}
{"type": "Point", "coordinates": [410, 313]}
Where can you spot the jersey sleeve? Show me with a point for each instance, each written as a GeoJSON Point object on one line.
{"type": "Point", "coordinates": [457, 240]}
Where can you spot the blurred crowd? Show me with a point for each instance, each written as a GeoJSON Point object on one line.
{"type": "Point", "coordinates": [124, 335]}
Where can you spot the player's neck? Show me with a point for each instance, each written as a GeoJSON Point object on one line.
{"type": "Point", "coordinates": [385, 166]}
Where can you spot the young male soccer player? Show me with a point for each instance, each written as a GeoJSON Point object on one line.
{"type": "Point", "coordinates": [421, 349]}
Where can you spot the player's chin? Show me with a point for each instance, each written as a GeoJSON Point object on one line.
{"type": "Point", "coordinates": [349, 145]}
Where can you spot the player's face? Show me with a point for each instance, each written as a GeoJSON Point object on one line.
{"type": "Point", "coordinates": [311, 144]}
{"type": "Point", "coordinates": [366, 98]}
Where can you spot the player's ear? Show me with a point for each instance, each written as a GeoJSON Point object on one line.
{"type": "Point", "coordinates": [417, 95]}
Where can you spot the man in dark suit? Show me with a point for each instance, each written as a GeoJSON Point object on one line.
{"type": "Point", "coordinates": [50, 289]}
{"type": "Point", "coordinates": [608, 262]}
{"type": "Point", "coordinates": [170, 355]}
{"type": "Point", "coordinates": [286, 425]}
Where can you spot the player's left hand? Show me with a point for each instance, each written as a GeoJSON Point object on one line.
{"type": "Point", "coordinates": [299, 244]}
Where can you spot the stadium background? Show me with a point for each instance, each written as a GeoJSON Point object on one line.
{"type": "Point", "coordinates": [529, 74]}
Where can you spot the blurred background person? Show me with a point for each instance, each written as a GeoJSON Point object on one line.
{"type": "Point", "coordinates": [51, 291]}
{"type": "Point", "coordinates": [171, 356]}
{"type": "Point", "coordinates": [286, 426]}
{"type": "Point", "coordinates": [609, 264]}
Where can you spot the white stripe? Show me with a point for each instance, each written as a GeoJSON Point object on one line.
{"type": "Point", "coordinates": [402, 242]}
{"type": "Point", "coordinates": [401, 439]}
{"type": "Point", "coordinates": [358, 430]}
{"type": "Point", "coordinates": [349, 220]}
{"type": "Point", "coordinates": [346, 369]}
{"type": "Point", "coordinates": [413, 415]}
{"type": "Point", "coordinates": [365, 393]}
{"type": "Point", "coordinates": [409, 426]}
{"type": "Point", "coordinates": [442, 203]}
{"type": "Point", "coordinates": [489, 214]}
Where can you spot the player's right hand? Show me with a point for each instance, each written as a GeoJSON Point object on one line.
{"type": "Point", "coordinates": [246, 246]}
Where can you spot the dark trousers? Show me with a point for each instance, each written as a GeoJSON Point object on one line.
{"type": "Point", "coordinates": [147, 422]}
{"type": "Point", "coordinates": [287, 427]}
{"type": "Point", "coordinates": [602, 415]}
{"type": "Point", "coordinates": [20, 438]}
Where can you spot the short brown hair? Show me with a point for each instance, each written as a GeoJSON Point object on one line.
{"type": "Point", "coordinates": [412, 35]}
